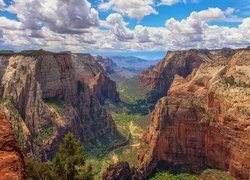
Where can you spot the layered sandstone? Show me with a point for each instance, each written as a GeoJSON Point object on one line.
{"type": "Point", "coordinates": [106, 64]}
{"type": "Point", "coordinates": [181, 63]}
{"type": "Point", "coordinates": [51, 95]}
{"type": "Point", "coordinates": [11, 158]}
{"type": "Point", "coordinates": [204, 121]}
{"type": "Point", "coordinates": [121, 171]}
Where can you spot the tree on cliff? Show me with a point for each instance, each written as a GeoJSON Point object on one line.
{"type": "Point", "coordinates": [69, 162]}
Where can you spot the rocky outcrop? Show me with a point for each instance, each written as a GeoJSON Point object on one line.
{"type": "Point", "coordinates": [204, 121]}
{"type": "Point", "coordinates": [103, 90]}
{"type": "Point", "coordinates": [106, 64]}
{"type": "Point", "coordinates": [51, 95]}
{"type": "Point", "coordinates": [121, 171]}
{"type": "Point", "coordinates": [90, 71]}
{"type": "Point", "coordinates": [181, 63]}
{"type": "Point", "coordinates": [11, 158]}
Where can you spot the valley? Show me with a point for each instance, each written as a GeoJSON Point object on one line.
{"type": "Point", "coordinates": [124, 90]}
{"type": "Point", "coordinates": [168, 122]}
{"type": "Point", "coordinates": [132, 117]}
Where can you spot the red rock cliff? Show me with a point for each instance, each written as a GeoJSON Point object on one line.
{"type": "Point", "coordinates": [204, 120]}
{"type": "Point", "coordinates": [51, 95]}
{"type": "Point", "coordinates": [181, 63]}
{"type": "Point", "coordinates": [11, 158]}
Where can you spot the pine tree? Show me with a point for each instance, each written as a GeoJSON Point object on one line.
{"type": "Point", "coordinates": [69, 161]}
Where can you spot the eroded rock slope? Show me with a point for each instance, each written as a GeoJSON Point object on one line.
{"type": "Point", "coordinates": [205, 119]}
{"type": "Point", "coordinates": [11, 158]}
{"type": "Point", "coordinates": [50, 95]}
{"type": "Point", "coordinates": [179, 62]}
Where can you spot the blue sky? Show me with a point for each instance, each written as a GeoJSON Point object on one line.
{"type": "Point", "coordinates": [143, 28]}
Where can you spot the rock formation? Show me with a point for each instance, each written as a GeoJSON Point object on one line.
{"type": "Point", "coordinates": [179, 62]}
{"type": "Point", "coordinates": [11, 158]}
{"type": "Point", "coordinates": [104, 90]}
{"type": "Point", "coordinates": [106, 64]}
{"type": "Point", "coordinates": [54, 94]}
{"type": "Point", "coordinates": [121, 171]}
{"type": "Point", "coordinates": [205, 119]}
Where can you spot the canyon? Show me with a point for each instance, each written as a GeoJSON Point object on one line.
{"type": "Point", "coordinates": [47, 95]}
{"type": "Point", "coordinates": [204, 121]}
{"type": "Point", "coordinates": [181, 63]}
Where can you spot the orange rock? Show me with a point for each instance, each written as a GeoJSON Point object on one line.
{"type": "Point", "coordinates": [11, 158]}
{"type": "Point", "coordinates": [204, 121]}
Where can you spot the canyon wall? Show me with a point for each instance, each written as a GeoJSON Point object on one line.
{"type": "Point", "coordinates": [11, 158]}
{"type": "Point", "coordinates": [205, 119]}
{"type": "Point", "coordinates": [182, 63]}
{"type": "Point", "coordinates": [49, 95]}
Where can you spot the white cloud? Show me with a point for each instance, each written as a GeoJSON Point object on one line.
{"type": "Point", "coordinates": [118, 27]}
{"type": "Point", "coordinates": [9, 24]}
{"type": "Point", "coordinates": [61, 16]}
{"type": "Point", "coordinates": [195, 23]}
{"type": "Point", "coordinates": [229, 11]}
{"type": "Point", "coordinates": [169, 2]}
{"type": "Point", "coordinates": [2, 4]}
{"type": "Point", "coordinates": [115, 35]}
{"type": "Point", "coordinates": [133, 8]}
{"type": "Point", "coordinates": [172, 2]}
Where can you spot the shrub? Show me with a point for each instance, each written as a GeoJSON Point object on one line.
{"type": "Point", "coordinates": [56, 104]}
{"type": "Point", "coordinates": [46, 133]}
{"type": "Point", "coordinates": [230, 81]}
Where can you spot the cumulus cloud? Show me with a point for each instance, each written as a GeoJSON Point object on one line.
{"type": "Point", "coordinates": [169, 2]}
{"type": "Point", "coordinates": [229, 11]}
{"type": "Point", "coordinates": [2, 4]}
{"type": "Point", "coordinates": [9, 24]}
{"type": "Point", "coordinates": [194, 31]}
{"type": "Point", "coordinates": [61, 16]}
{"type": "Point", "coordinates": [133, 8]}
{"type": "Point", "coordinates": [195, 23]}
{"type": "Point", "coordinates": [118, 27]}
{"type": "Point", "coordinates": [172, 2]}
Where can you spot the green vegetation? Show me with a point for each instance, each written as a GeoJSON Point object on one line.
{"type": "Point", "coordinates": [69, 163]}
{"type": "Point", "coordinates": [55, 103]}
{"type": "Point", "coordinates": [16, 120]}
{"type": "Point", "coordinates": [6, 53]}
{"type": "Point", "coordinates": [131, 117]}
{"type": "Point", "coordinates": [38, 170]}
{"type": "Point", "coordinates": [230, 81]}
{"type": "Point", "coordinates": [100, 147]}
{"type": "Point", "coordinates": [170, 176]}
{"type": "Point", "coordinates": [35, 53]}
{"type": "Point", "coordinates": [210, 174]}
{"type": "Point", "coordinates": [46, 133]}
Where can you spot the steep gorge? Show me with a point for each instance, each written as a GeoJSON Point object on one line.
{"type": "Point", "coordinates": [53, 94]}
{"type": "Point", "coordinates": [181, 63]}
{"type": "Point", "coordinates": [205, 120]}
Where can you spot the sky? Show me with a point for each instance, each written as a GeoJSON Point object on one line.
{"type": "Point", "coordinates": [142, 28]}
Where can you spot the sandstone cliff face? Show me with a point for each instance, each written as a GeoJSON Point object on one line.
{"type": "Point", "coordinates": [52, 93]}
{"type": "Point", "coordinates": [104, 90]}
{"type": "Point", "coordinates": [181, 63]}
{"type": "Point", "coordinates": [90, 71]}
{"type": "Point", "coordinates": [204, 120]}
{"type": "Point", "coordinates": [106, 64]}
{"type": "Point", "coordinates": [121, 171]}
{"type": "Point", "coordinates": [11, 158]}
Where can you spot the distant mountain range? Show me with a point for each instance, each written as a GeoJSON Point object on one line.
{"type": "Point", "coordinates": [120, 68]}
{"type": "Point", "coordinates": [133, 64]}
